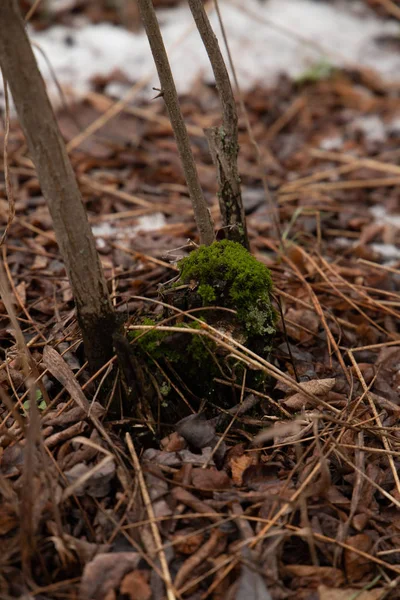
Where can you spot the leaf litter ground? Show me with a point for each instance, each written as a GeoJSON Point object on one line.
{"type": "Point", "coordinates": [299, 493]}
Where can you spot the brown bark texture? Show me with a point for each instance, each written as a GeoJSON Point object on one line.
{"type": "Point", "coordinates": [223, 141]}
{"type": "Point", "coordinates": [58, 183]}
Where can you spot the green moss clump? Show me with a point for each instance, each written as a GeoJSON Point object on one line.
{"type": "Point", "coordinates": [151, 342]}
{"type": "Point", "coordinates": [228, 275]}
{"type": "Point", "coordinates": [207, 294]}
{"type": "Point", "coordinates": [159, 344]}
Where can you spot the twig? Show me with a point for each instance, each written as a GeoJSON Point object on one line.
{"type": "Point", "coordinates": [149, 507]}
{"type": "Point", "coordinates": [7, 179]}
{"type": "Point", "coordinates": [270, 200]}
{"type": "Point", "coordinates": [170, 95]}
{"type": "Point", "coordinates": [223, 141]}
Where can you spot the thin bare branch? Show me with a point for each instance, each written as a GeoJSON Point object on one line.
{"type": "Point", "coordinates": [223, 141]}
{"type": "Point", "coordinates": [170, 95]}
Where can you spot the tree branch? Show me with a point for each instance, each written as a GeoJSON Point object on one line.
{"type": "Point", "coordinates": [223, 141]}
{"type": "Point", "coordinates": [201, 212]}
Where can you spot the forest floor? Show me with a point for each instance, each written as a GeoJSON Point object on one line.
{"type": "Point", "coordinates": [298, 494]}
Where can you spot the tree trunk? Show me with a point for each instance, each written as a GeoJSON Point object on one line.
{"type": "Point", "coordinates": [57, 180]}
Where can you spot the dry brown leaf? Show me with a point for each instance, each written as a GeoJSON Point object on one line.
{"type": "Point", "coordinates": [238, 466]}
{"type": "Point", "coordinates": [360, 521]}
{"type": "Point", "coordinates": [329, 593]}
{"type": "Point", "coordinates": [94, 481]}
{"type": "Point", "coordinates": [358, 566]}
{"type": "Point", "coordinates": [251, 584]}
{"type": "Point", "coordinates": [135, 586]}
{"type": "Point", "coordinates": [188, 541]}
{"type": "Point", "coordinates": [210, 479]}
{"type": "Point", "coordinates": [8, 518]}
{"type": "Point", "coordinates": [104, 574]}
{"type": "Point", "coordinates": [297, 321]}
{"type": "Point", "coordinates": [312, 576]}
{"type": "Point", "coordinates": [173, 442]}
{"type": "Point", "coordinates": [21, 291]}
{"type": "Point", "coordinates": [296, 256]}
{"type": "Point", "coordinates": [317, 387]}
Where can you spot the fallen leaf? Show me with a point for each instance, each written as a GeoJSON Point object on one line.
{"type": "Point", "coordinates": [198, 432]}
{"type": "Point", "coordinates": [357, 566]}
{"type": "Point", "coordinates": [312, 576]}
{"type": "Point", "coordinates": [298, 321]}
{"type": "Point", "coordinates": [94, 481]}
{"type": "Point", "coordinates": [210, 479]}
{"type": "Point", "coordinates": [173, 442]}
{"type": "Point", "coordinates": [317, 387]}
{"type": "Point", "coordinates": [238, 465]}
{"type": "Point", "coordinates": [251, 585]}
{"type": "Point", "coordinates": [104, 574]}
{"type": "Point", "coordinates": [135, 586]}
{"type": "Point", "coordinates": [328, 593]}
{"type": "Point", "coordinates": [188, 541]}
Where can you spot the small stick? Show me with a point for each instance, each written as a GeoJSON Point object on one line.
{"type": "Point", "coordinates": [150, 512]}
{"type": "Point", "coordinates": [170, 95]}
{"type": "Point", "coordinates": [223, 141]}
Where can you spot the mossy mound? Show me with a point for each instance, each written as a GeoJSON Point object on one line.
{"type": "Point", "coordinates": [226, 274]}
{"type": "Point", "coordinates": [185, 364]}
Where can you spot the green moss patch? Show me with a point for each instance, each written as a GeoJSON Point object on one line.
{"type": "Point", "coordinates": [184, 364]}
{"type": "Point", "coordinates": [194, 351]}
{"type": "Point", "coordinates": [227, 275]}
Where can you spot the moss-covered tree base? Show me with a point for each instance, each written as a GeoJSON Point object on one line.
{"type": "Point", "coordinates": [224, 286]}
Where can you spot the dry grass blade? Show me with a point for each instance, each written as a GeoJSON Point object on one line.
{"type": "Point", "coordinates": [171, 594]}
{"type": "Point", "coordinates": [319, 311]}
{"type": "Point", "coordinates": [33, 435]}
{"type": "Point", "coordinates": [385, 441]}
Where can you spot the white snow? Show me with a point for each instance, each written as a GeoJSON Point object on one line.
{"type": "Point", "coordinates": [389, 252]}
{"type": "Point", "coordinates": [371, 126]}
{"type": "Point", "coordinates": [266, 38]}
{"type": "Point", "coordinates": [382, 217]}
{"type": "Point", "coordinates": [106, 230]}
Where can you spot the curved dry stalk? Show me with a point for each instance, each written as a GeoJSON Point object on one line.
{"type": "Point", "coordinates": [171, 595]}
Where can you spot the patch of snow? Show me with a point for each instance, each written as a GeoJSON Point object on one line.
{"type": "Point", "coordinates": [387, 251]}
{"type": "Point", "coordinates": [393, 127]}
{"type": "Point", "coordinates": [371, 126]}
{"type": "Point", "coordinates": [266, 39]}
{"type": "Point", "coordinates": [57, 6]}
{"type": "Point", "coordinates": [106, 230]}
{"type": "Point", "coordinates": [331, 143]}
{"type": "Point", "coordinates": [382, 217]}
{"type": "Point", "coordinates": [150, 222]}
{"type": "Point", "coordinates": [343, 242]}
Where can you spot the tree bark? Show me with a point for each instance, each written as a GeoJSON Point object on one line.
{"type": "Point", "coordinates": [223, 141]}
{"type": "Point", "coordinates": [57, 180]}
